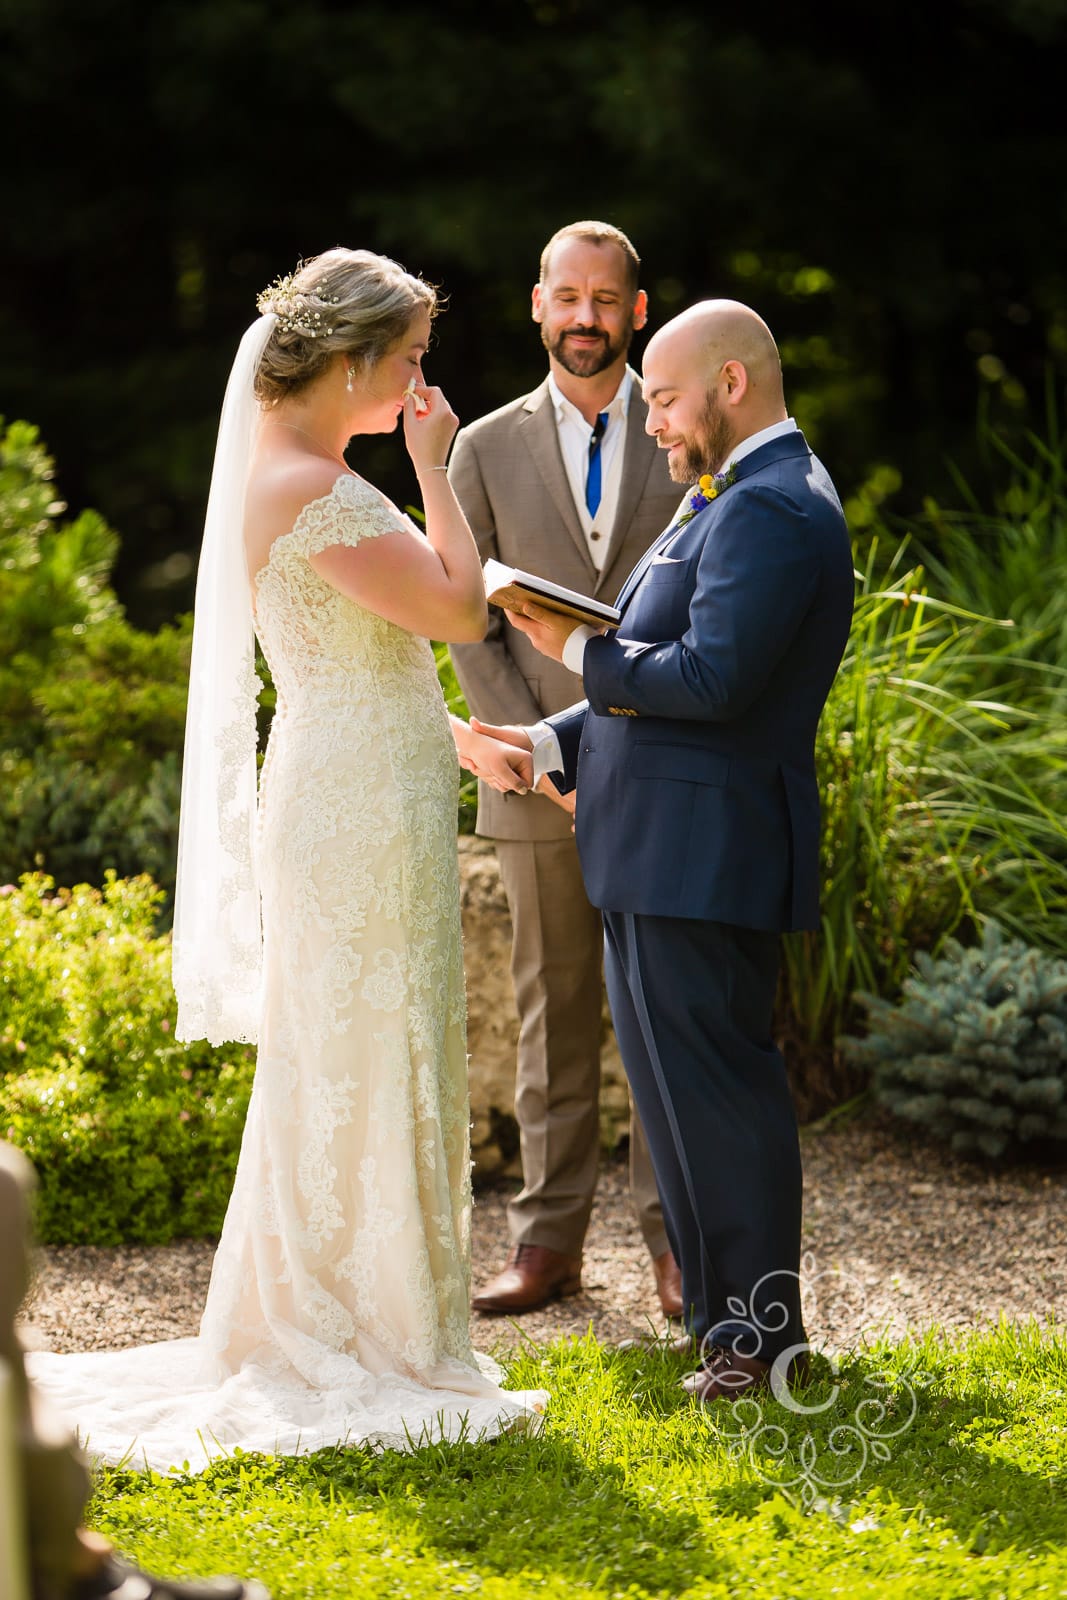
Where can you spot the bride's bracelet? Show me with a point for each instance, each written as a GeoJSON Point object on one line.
{"type": "Point", "coordinates": [435, 469]}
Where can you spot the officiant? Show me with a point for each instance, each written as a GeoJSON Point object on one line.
{"type": "Point", "coordinates": [565, 483]}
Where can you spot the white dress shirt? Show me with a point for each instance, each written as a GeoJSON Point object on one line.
{"type": "Point", "coordinates": [547, 756]}
{"type": "Point", "coordinates": [574, 436]}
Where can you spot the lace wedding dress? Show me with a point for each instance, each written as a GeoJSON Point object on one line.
{"type": "Point", "coordinates": [338, 1304]}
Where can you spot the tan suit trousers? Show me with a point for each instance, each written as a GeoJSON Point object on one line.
{"type": "Point", "coordinates": [556, 960]}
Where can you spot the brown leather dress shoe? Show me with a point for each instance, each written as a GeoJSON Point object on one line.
{"type": "Point", "coordinates": [668, 1284]}
{"type": "Point", "coordinates": [532, 1276]}
{"type": "Point", "coordinates": [725, 1375]}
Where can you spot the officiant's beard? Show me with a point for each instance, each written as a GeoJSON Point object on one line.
{"type": "Point", "coordinates": [706, 448]}
{"type": "Point", "coordinates": [586, 363]}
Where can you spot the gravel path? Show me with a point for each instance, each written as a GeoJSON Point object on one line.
{"type": "Point", "coordinates": [897, 1234]}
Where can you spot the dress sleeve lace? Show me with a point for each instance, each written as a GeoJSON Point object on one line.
{"type": "Point", "coordinates": [352, 511]}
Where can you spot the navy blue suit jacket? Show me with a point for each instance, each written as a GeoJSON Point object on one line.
{"type": "Point", "coordinates": [694, 751]}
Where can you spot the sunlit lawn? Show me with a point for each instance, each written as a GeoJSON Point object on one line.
{"type": "Point", "coordinates": [936, 1469]}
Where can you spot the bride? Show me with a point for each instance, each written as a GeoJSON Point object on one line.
{"type": "Point", "coordinates": [323, 920]}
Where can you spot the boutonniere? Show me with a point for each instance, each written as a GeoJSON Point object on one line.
{"type": "Point", "coordinates": [708, 488]}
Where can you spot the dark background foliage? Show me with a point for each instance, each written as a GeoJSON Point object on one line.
{"type": "Point", "coordinates": [885, 184]}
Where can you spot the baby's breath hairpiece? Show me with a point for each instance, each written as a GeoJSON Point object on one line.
{"type": "Point", "coordinates": [298, 310]}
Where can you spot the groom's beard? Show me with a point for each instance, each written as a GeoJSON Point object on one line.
{"type": "Point", "coordinates": [586, 363]}
{"type": "Point", "coordinates": [706, 448]}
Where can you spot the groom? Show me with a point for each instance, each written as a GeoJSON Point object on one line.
{"type": "Point", "coordinates": [698, 814]}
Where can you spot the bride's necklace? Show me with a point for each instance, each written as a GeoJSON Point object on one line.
{"type": "Point", "coordinates": [311, 436]}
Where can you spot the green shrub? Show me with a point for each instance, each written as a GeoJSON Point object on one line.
{"type": "Point", "coordinates": [939, 779]}
{"type": "Point", "coordinates": [134, 1136]}
{"type": "Point", "coordinates": [96, 783]}
{"type": "Point", "coordinates": [92, 710]}
{"type": "Point", "coordinates": [1010, 563]}
{"type": "Point", "coordinates": [468, 785]}
{"type": "Point", "coordinates": [976, 1051]}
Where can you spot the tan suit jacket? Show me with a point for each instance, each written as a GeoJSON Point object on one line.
{"type": "Point", "coordinates": [509, 477]}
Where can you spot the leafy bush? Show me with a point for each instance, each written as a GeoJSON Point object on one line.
{"type": "Point", "coordinates": [976, 1052]}
{"type": "Point", "coordinates": [135, 1136]}
{"type": "Point", "coordinates": [101, 788]}
{"type": "Point", "coordinates": [91, 710]}
{"type": "Point", "coordinates": [1010, 563]}
{"type": "Point", "coordinates": [468, 785]}
{"type": "Point", "coordinates": [940, 761]}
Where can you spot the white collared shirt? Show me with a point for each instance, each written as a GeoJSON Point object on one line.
{"type": "Point", "coordinates": [574, 436]}
{"type": "Point", "coordinates": [776, 431]}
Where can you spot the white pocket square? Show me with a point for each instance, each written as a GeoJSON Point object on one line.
{"type": "Point", "coordinates": [666, 561]}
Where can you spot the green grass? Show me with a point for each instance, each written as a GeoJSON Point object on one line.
{"type": "Point", "coordinates": [631, 1491]}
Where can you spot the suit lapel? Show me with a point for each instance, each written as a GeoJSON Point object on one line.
{"type": "Point", "coordinates": [542, 439]}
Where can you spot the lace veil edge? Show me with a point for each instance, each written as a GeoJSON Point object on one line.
{"type": "Point", "coordinates": [217, 949]}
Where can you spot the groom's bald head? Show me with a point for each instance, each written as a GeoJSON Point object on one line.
{"type": "Point", "coordinates": [712, 334]}
{"type": "Point", "coordinates": [712, 377]}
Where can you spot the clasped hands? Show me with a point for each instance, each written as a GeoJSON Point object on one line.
{"type": "Point", "coordinates": [502, 756]}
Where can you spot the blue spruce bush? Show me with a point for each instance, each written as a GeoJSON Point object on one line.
{"type": "Point", "coordinates": [976, 1050]}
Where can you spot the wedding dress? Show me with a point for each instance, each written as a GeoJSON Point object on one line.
{"type": "Point", "coordinates": [338, 1305]}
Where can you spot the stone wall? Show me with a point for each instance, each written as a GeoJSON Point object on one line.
{"type": "Point", "coordinates": [493, 1028]}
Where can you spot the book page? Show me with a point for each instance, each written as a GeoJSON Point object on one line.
{"type": "Point", "coordinates": [511, 587]}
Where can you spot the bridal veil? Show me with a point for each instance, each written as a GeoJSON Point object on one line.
{"type": "Point", "coordinates": [217, 943]}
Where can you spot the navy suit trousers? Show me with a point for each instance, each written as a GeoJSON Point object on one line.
{"type": "Point", "coordinates": [692, 1003]}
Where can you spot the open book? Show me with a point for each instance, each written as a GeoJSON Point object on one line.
{"type": "Point", "coordinates": [510, 587]}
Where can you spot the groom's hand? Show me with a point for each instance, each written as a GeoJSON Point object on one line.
{"type": "Point", "coordinates": [547, 631]}
{"type": "Point", "coordinates": [545, 786]}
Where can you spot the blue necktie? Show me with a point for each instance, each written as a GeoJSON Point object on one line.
{"type": "Point", "coordinates": [592, 477]}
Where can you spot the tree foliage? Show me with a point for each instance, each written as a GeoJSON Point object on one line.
{"type": "Point", "coordinates": [896, 216]}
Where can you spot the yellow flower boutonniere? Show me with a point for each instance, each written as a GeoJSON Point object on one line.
{"type": "Point", "coordinates": [708, 488]}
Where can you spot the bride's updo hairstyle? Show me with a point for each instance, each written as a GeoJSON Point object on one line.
{"type": "Point", "coordinates": [344, 302]}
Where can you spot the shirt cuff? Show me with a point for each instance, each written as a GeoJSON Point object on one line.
{"type": "Point", "coordinates": [574, 647]}
{"type": "Point", "coordinates": [547, 755]}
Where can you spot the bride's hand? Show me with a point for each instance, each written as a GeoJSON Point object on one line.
{"type": "Point", "coordinates": [429, 427]}
{"type": "Point", "coordinates": [501, 765]}
{"type": "Point", "coordinates": [511, 733]}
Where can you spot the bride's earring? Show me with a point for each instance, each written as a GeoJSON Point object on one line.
{"type": "Point", "coordinates": [351, 375]}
